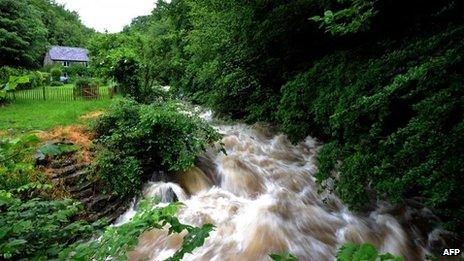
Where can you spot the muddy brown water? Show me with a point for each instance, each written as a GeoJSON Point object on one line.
{"type": "Point", "coordinates": [263, 198]}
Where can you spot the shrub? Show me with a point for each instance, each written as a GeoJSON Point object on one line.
{"type": "Point", "coordinates": [147, 137]}
{"type": "Point", "coordinates": [395, 120]}
{"type": "Point", "coordinates": [87, 88]}
{"type": "Point", "coordinates": [17, 162]}
{"type": "Point", "coordinates": [6, 72]}
{"type": "Point", "coordinates": [46, 78]}
{"type": "Point", "coordinates": [39, 229]}
{"type": "Point", "coordinates": [118, 170]}
{"type": "Point", "coordinates": [77, 70]}
{"type": "Point", "coordinates": [32, 228]}
{"type": "Point", "coordinates": [126, 74]}
{"type": "Point", "coordinates": [83, 83]}
{"type": "Point", "coordinates": [36, 79]}
{"type": "Point", "coordinates": [56, 83]}
{"type": "Point", "coordinates": [56, 73]}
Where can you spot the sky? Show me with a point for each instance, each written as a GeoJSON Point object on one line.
{"type": "Point", "coordinates": [111, 15]}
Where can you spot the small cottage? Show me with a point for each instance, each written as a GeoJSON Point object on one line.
{"type": "Point", "coordinates": [67, 56]}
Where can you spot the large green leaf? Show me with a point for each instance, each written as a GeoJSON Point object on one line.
{"type": "Point", "coordinates": [285, 256]}
{"type": "Point", "coordinates": [363, 252]}
{"type": "Point", "coordinates": [15, 80]}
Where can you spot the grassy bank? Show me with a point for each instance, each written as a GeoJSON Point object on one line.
{"type": "Point", "coordinates": [30, 115]}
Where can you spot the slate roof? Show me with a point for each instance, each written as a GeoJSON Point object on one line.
{"type": "Point", "coordinates": [64, 53]}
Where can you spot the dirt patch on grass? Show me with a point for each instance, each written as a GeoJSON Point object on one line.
{"type": "Point", "coordinates": [75, 134]}
{"type": "Point", "coordinates": [91, 115]}
{"type": "Point", "coordinates": [3, 133]}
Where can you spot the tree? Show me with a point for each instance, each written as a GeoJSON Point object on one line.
{"type": "Point", "coordinates": [22, 34]}
{"type": "Point", "coordinates": [64, 27]}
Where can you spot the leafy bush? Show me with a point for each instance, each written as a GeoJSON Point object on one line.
{"type": "Point", "coordinates": [136, 138]}
{"type": "Point", "coordinates": [11, 85]}
{"type": "Point", "coordinates": [33, 228]}
{"type": "Point", "coordinates": [36, 79]}
{"type": "Point", "coordinates": [75, 71]}
{"type": "Point", "coordinates": [56, 73]}
{"type": "Point", "coordinates": [46, 78]}
{"type": "Point", "coordinates": [83, 82]}
{"type": "Point", "coordinates": [395, 120]}
{"type": "Point", "coordinates": [39, 229]}
{"type": "Point", "coordinates": [126, 73]}
{"type": "Point", "coordinates": [119, 171]}
{"type": "Point", "coordinates": [6, 72]}
{"type": "Point", "coordinates": [117, 241]}
{"type": "Point", "coordinates": [17, 162]}
{"type": "Point", "coordinates": [56, 83]}
{"type": "Point", "coordinates": [16, 79]}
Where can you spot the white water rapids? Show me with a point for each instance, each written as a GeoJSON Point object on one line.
{"type": "Point", "coordinates": [262, 198]}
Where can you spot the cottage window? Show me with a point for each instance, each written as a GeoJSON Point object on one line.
{"type": "Point", "coordinates": [65, 64]}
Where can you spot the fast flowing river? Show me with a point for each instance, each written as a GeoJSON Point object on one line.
{"type": "Point", "coordinates": [262, 198]}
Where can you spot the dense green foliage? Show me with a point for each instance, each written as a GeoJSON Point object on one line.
{"type": "Point", "coordinates": [136, 139]}
{"type": "Point", "coordinates": [35, 226]}
{"type": "Point", "coordinates": [22, 79]}
{"type": "Point", "coordinates": [126, 73]}
{"type": "Point", "coordinates": [23, 36]}
{"type": "Point", "coordinates": [39, 229]}
{"type": "Point", "coordinates": [117, 241]}
{"type": "Point", "coordinates": [364, 252]}
{"type": "Point", "coordinates": [17, 163]}
{"type": "Point", "coordinates": [395, 118]}
{"type": "Point", "coordinates": [32, 225]}
{"type": "Point", "coordinates": [379, 81]}
{"type": "Point", "coordinates": [28, 27]}
{"type": "Point", "coordinates": [348, 252]}
{"type": "Point", "coordinates": [56, 74]}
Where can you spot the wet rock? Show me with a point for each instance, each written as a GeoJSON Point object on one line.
{"type": "Point", "coordinates": [169, 196]}
{"type": "Point", "coordinates": [79, 187]}
{"type": "Point", "coordinates": [85, 194]}
{"type": "Point", "coordinates": [56, 164]}
{"type": "Point", "coordinates": [68, 170]}
{"type": "Point", "coordinates": [72, 176]}
{"type": "Point", "coordinates": [111, 211]}
{"type": "Point", "coordinates": [439, 239]}
{"type": "Point", "coordinates": [157, 176]}
{"type": "Point", "coordinates": [193, 180]}
{"type": "Point", "coordinates": [208, 166]}
{"type": "Point", "coordinates": [99, 202]}
{"type": "Point", "coordinates": [75, 177]}
{"type": "Point", "coordinates": [40, 158]}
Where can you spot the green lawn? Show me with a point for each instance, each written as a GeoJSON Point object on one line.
{"type": "Point", "coordinates": [27, 115]}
